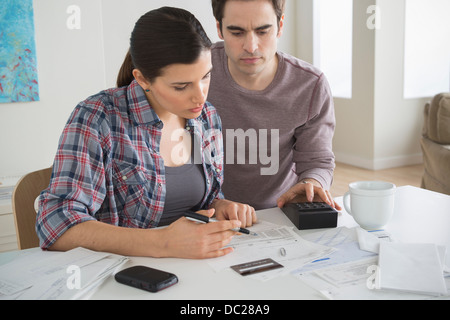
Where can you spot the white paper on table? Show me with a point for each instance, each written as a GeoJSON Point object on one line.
{"type": "Point", "coordinates": [347, 274]}
{"type": "Point", "coordinates": [49, 269]}
{"type": "Point", "coordinates": [370, 240]}
{"type": "Point", "coordinates": [269, 243]}
{"type": "Point", "coordinates": [344, 240]}
{"type": "Point", "coordinates": [25, 271]}
{"type": "Point", "coordinates": [92, 275]}
{"type": "Point", "coordinates": [411, 267]}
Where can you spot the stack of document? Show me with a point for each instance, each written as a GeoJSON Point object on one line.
{"type": "Point", "coordinates": [412, 267]}
{"type": "Point", "coordinates": [366, 261]}
{"type": "Point", "coordinates": [74, 274]}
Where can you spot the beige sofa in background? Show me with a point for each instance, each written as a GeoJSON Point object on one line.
{"type": "Point", "coordinates": [435, 144]}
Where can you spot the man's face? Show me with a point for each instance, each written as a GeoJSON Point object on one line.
{"type": "Point", "coordinates": [250, 31]}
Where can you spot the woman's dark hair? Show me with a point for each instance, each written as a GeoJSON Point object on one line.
{"type": "Point", "coordinates": [160, 38]}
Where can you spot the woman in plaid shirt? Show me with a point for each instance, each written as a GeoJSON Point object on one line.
{"type": "Point", "coordinates": [134, 158]}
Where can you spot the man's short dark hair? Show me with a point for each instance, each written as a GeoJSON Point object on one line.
{"type": "Point", "coordinates": [218, 7]}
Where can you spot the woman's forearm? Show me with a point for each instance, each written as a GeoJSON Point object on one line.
{"type": "Point", "coordinates": [103, 237]}
{"type": "Point", "coordinates": [182, 239]}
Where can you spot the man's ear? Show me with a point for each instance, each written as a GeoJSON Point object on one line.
{"type": "Point", "coordinates": [219, 31]}
{"type": "Point", "coordinates": [280, 27]}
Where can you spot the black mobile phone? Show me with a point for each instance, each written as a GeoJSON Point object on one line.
{"type": "Point", "coordinates": [146, 278]}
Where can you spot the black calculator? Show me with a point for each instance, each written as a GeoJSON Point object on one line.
{"type": "Point", "coordinates": [311, 215]}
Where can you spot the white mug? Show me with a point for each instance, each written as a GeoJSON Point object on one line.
{"type": "Point", "coordinates": [371, 203]}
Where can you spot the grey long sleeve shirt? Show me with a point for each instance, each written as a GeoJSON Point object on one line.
{"type": "Point", "coordinates": [275, 137]}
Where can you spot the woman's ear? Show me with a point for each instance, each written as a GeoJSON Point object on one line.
{"type": "Point", "coordinates": [141, 79]}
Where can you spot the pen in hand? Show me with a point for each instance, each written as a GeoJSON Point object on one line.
{"type": "Point", "coordinates": [196, 217]}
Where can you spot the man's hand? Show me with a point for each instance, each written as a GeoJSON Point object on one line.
{"type": "Point", "coordinates": [307, 190]}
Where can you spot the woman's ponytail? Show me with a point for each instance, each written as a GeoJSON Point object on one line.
{"type": "Point", "coordinates": [125, 76]}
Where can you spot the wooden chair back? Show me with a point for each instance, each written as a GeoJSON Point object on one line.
{"type": "Point", "coordinates": [23, 203]}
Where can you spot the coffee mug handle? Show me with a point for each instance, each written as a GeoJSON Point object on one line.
{"type": "Point", "coordinates": [347, 203]}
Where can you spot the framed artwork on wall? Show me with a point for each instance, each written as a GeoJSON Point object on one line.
{"type": "Point", "coordinates": [18, 64]}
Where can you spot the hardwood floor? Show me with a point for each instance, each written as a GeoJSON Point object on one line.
{"type": "Point", "coordinates": [344, 174]}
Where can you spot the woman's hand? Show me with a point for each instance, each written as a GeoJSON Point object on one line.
{"type": "Point", "coordinates": [188, 239]}
{"type": "Point", "coordinates": [230, 210]}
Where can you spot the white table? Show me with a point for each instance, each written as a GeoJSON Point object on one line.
{"type": "Point", "coordinates": [420, 216]}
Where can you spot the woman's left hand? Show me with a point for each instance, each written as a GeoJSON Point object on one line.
{"type": "Point", "coordinates": [230, 210]}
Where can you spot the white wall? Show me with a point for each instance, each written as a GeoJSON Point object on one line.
{"type": "Point", "coordinates": [74, 64]}
{"type": "Point", "coordinates": [397, 121]}
{"type": "Point", "coordinates": [354, 137]}
{"type": "Point", "coordinates": [70, 68]}
{"type": "Point", "coordinates": [377, 128]}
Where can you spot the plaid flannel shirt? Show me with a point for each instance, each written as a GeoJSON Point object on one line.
{"type": "Point", "coordinates": [108, 167]}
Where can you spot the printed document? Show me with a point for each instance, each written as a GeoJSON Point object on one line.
{"type": "Point", "coordinates": [280, 243]}
{"type": "Point", "coordinates": [56, 275]}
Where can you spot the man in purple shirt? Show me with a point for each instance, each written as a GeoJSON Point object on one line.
{"type": "Point", "coordinates": [277, 111]}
